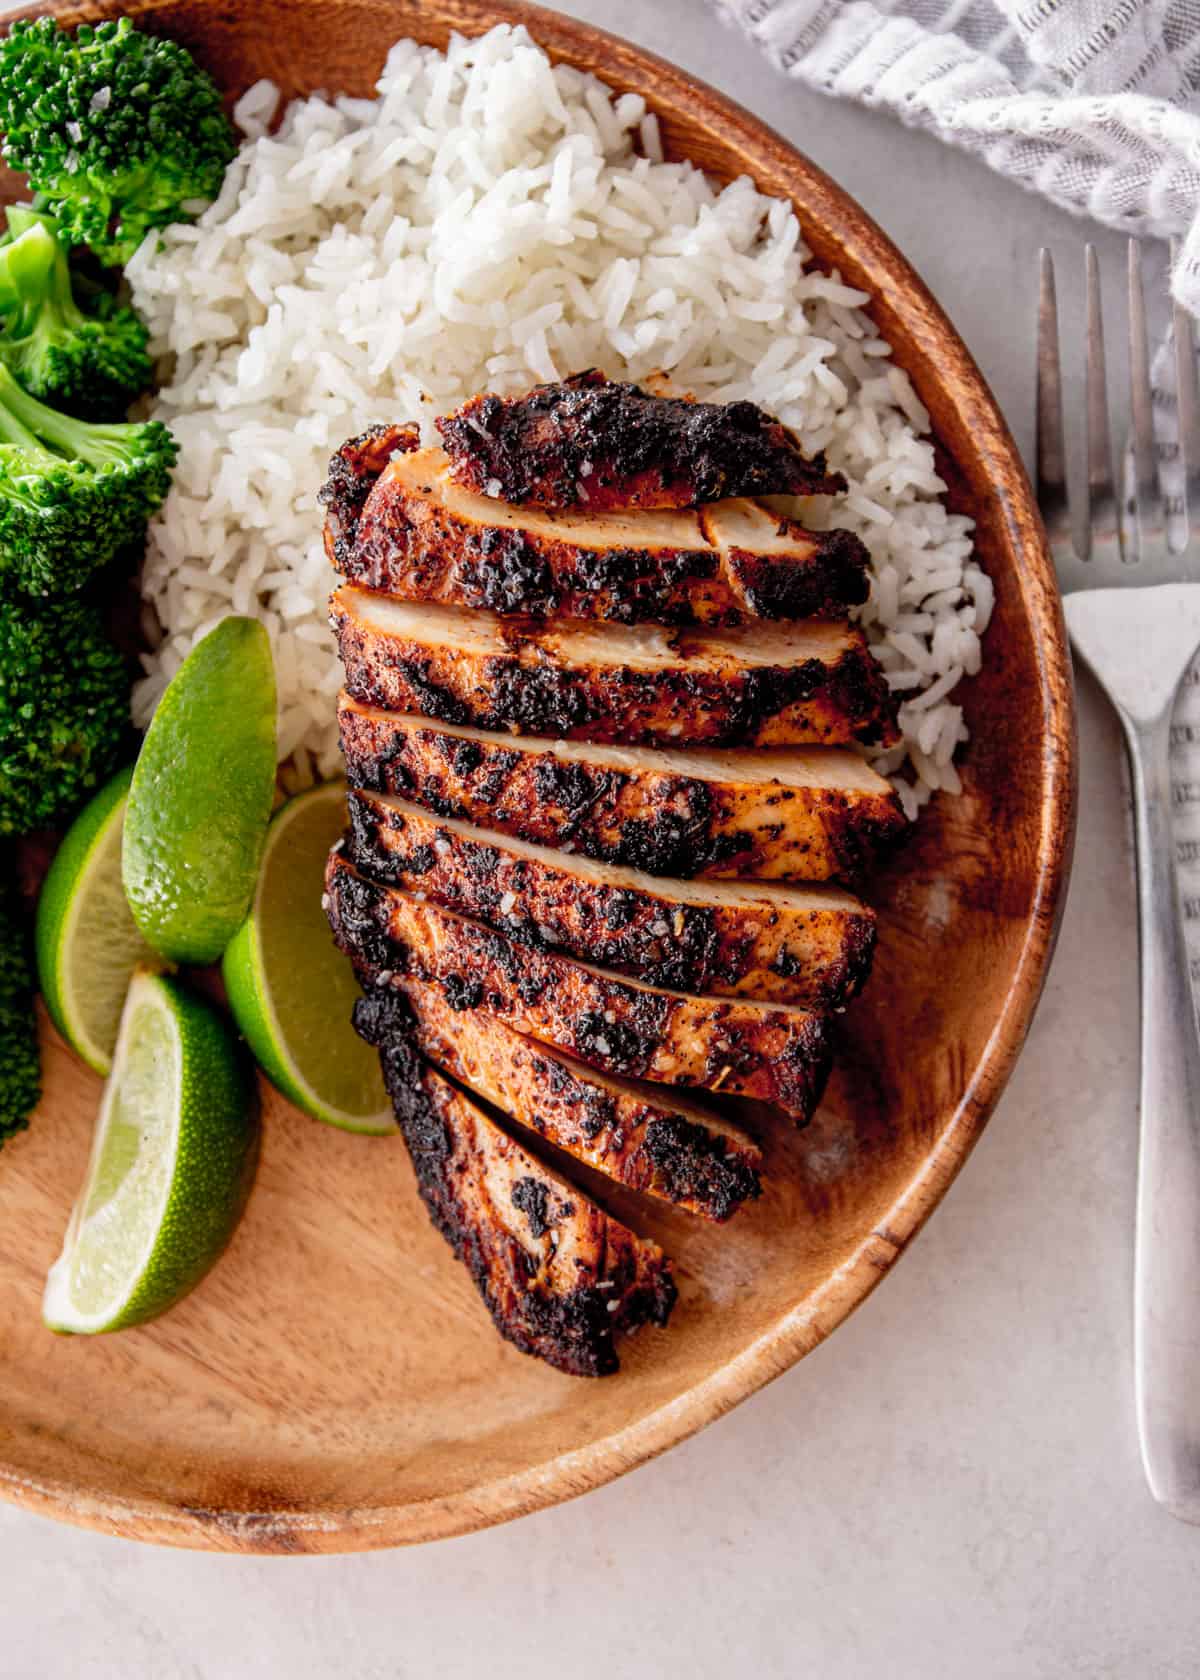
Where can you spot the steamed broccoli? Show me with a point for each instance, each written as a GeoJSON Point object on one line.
{"type": "Point", "coordinates": [93, 364]}
{"type": "Point", "coordinates": [64, 710]}
{"type": "Point", "coordinates": [20, 1064]}
{"type": "Point", "coordinates": [118, 131]}
{"type": "Point", "coordinates": [72, 493]}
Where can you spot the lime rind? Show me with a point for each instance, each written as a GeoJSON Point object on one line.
{"type": "Point", "coordinates": [86, 941]}
{"type": "Point", "coordinates": [259, 1025]}
{"type": "Point", "coordinates": [171, 1163]}
{"type": "Point", "coordinates": [316, 817]}
{"type": "Point", "coordinates": [201, 796]}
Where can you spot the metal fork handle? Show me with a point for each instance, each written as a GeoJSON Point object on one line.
{"type": "Point", "coordinates": [1139, 643]}
{"type": "Point", "coordinates": [1167, 1262]}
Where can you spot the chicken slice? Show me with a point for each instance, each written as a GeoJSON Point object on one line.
{"type": "Point", "coordinates": [353, 472]}
{"type": "Point", "coordinates": [645, 1137]}
{"type": "Point", "coordinates": [807, 945]}
{"type": "Point", "coordinates": [591, 441]}
{"type": "Point", "coordinates": [774, 1052]}
{"type": "Point", "coordinates": [560, 1277]}
{"type": "Point", "coordinates": [781, 815]}
{"type": "Point", "coordinates": [774, 685]}
{"type": "Point", "coordinates": [422, 536]}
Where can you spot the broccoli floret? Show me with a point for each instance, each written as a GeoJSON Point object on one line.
{"type": "Point", "coordinates": [119, 132]}
{"type": "Point", "coordinates": [92, 365]}
{"type": "Point", "coordinates": [20, 1063]}
{"type": "Point", "coordinates": [64, 710]}
{"type": "Point", "coordinates": [72, 493]}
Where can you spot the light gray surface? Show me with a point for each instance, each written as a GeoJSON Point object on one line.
{"type": "Point", "coordinates": [950, 1487]}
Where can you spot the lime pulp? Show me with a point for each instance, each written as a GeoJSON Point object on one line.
{"type": "Point", "coordinates": [291, 990]}
{"type": "Point", "coordinates": [172, 1157]}
{"type": "Point", "coordinates": [87, 941]}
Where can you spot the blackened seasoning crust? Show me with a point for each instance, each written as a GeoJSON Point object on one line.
{"type": "Point", "coordinates": [536, 679]}
{"type": "Point", "coordinates": [646, 812]}
{"type": "Point", "coordinates": [561, 1278]}
{"type": "Point", "coordinates": [423, 538]}
{"type": "Point", "coordinates": [588, 441]}
{"type": "Point", "coordinates": [740, 1046]}
{"type": "Point", "coordinates": [643, 1136]}
{"type": "Point", "coordinates": [790, 946]}
{"type": "Point", "coordinates": [532, 1198]}
{"type": "Point", "coordinates": [352, 475]}
{"type": "Point", "coordinates": [825, 586]}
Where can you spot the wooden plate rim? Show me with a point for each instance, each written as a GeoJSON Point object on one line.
{"type": "Point", "coordinates": [569, 1475]}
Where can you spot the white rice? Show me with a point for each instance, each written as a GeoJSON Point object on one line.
{"type": "Point", "coordinates": [487, 221]}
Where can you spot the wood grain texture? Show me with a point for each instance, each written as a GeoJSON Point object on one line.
{"type": "Point", "coordinates": [335, 1384]}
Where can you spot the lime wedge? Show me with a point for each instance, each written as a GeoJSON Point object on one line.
{"type": "Point", "coordinates": [290, 988]}
{"type": "Point", "coordinates": [171, 1162]}
{"type": "Point", "coordinates": [201, 796]}
{"type": "Point", "coordinates": [87, 941]}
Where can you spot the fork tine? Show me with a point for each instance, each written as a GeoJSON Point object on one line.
{"type": "Point", "coordinates": [1100, 493]}
{"type": "Point", "coordinates": [1144, 506]}
{"type": "Point", "coordinates": [1188, 388]}
{"type": "Point", "coordinates": [1051, 452]}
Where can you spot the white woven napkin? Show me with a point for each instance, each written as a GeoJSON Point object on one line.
{"type": "Point", "coordinates": [1095, 103]}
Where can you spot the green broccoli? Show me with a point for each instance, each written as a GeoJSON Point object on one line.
{"type": "Point", "coordinates": [64, 710]}
{"type": "Point", "coordinates": [119, 132]}
{"type": "Point", "coordinates": [92, 365]}
{"type": "Point", "coordinates": [20, 1063]}
{"type": "Point", "coordinates": [72, 493]}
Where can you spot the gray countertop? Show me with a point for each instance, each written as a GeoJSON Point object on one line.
{"type": "Point", "coordinates": [950, 1486]}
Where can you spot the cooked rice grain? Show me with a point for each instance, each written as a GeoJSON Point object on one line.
{"type": "Point", "coordinates": [490, 220]}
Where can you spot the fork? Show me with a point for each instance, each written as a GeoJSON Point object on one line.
{"type": "Point", "coordinates": [1133, 613]}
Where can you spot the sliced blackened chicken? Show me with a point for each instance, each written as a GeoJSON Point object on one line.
{"type": "Point", "coordinates": [353, 472]}
{"type": "Point", "coordinates": [797, 815]}
{"type": "Point", "coordinates": [561, 1278]}
{"type": "Point", "coordinates": [776, 685]}
{"type": "Point", "coordinates": [592, 442]}
{"type": "Point", "coordinates": [768, 572]}
{"type": "Point", "coordinates": [805, 945]}
{"type": "Point", "coordinates": [646, 1137]}
{"type": "Point", "coordinates": [773, 1052]}
{"type": "Point", "coordinates": [421, 536]}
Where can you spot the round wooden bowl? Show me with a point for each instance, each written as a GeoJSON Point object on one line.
{"type": "Point", "coordinates": [335, 1382]}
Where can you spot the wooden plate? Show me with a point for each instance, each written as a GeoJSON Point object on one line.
{"type": "Point", "coordinates": [335, 1382]}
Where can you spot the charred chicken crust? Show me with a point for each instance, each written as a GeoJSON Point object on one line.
{"type": "Point", "coordinates": [642, 1136]}
{"type": "Point", "coordinates": [561, 1278]}
{"type": "Point", "coordinates": [803, 946]}
{"type": "Point", "coordinates": [352, 474]}
{"type": "Point", "coordinates": [558, 680]}
{"type": "Point", "coordinates": [668, 813]}
{"type": "Point", "coordinates": [423, 537]}
{"type": "Point", "coordinates": [773, 1052]}
{"type": "Point", "coordinates": [590, 441]}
